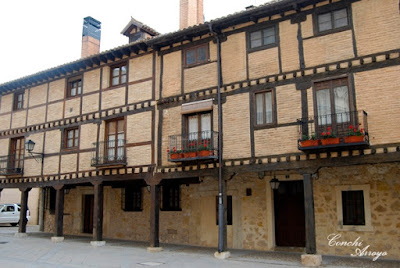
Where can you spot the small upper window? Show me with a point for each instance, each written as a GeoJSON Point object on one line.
{"type": "Point", "coordinates": [71, 138]}
{"type": "Point", "coordinates": [333, 20]}
{"type": "Point", "coordinates": [263, 37]}
{"type": "Point", "coordinates": [265, 108]}
{"type": "Point", "coordinates": [196, 55]}
{"type": "Point", "coordinates": [74, 87]}
{"type": "Point", "coordinates": [19, 100]}
{"type": "Point", "coordinates": [118, 75]}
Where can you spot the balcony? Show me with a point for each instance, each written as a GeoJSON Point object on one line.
{"type": "Point", "coordinates": [109, 153]}
{"type": "Point", "coordinates": [201, 145]}
{"type": "Point", "coordinates": [11, 165]}
{"type": "Point", "coordinates": [341, 131]}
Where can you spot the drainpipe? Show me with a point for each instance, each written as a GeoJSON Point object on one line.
{"type": "Point", "coordinates": [221, 189]}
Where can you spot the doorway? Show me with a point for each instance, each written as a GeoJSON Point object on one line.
{"type": "Point", "coordinates": [88, 213]}
{"type": "Point", "coordinates": [289, 214]}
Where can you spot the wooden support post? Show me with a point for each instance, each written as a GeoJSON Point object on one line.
{"type": "Point", "coordinates": [154, 216]}
{"type": "Point", "coordinates": [59, 219]}
{"type": "Point", "coordinates": [311, 247]}
{"type": "Point", "coordinates": [98, 212]}
{"type": "Point", "coordinates": [24, 207]}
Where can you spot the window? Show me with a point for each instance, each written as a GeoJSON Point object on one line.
{"type": "Point", "coordinates": [353, 208]}
{"type": "Point", "coordinates": [19, 100]}
{"type": "Point", "coordinates": [196, 55]}
{"type": "Point", "coordinates": [132, 198]}
{"type": "Point", "coordinates": [16, 157]}
{"type": "Point", "coordinates": [333, 105]}
{"type": "Point", "coordinates": [115, 140]}
{"type": "Point", "coordinates": [332, 20]}
{"type": "Point", "coordinates": [262, 38]}
{"type": "Point", "coordinates": [265, 108]}
{"type": "Point", "coordinates": [228, 209]}
{"type": "Point", "coordinates": [171, 197]}
{"type": "Point", "coordinates": [74, 87]}
{"type": "Point", "coordinates": [198, 126]}
{"type": "Point", "coordinates": [71, 136]}
{"type": "Point", "coordinates": [118, 74]}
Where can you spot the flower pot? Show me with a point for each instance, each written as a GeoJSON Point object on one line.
{"type": "Point", "coordinates": [189, 154]}
{"type": "Point", "coordinates": [353, 139]}
{"type": "Point", "coordinates": [205, 153]}
{"type": "Point", "coordinates": [176, 156]}
{"type": "Point", "coordinates": [309, 143]}
{"type": "Point", "coordinates": [330, 141]}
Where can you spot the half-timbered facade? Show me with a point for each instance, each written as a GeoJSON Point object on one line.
{"type": "Point", "coordinates": [144, 141]}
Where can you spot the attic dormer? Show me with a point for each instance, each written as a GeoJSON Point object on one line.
{"type": "Point", "coordinates": [135, 31]}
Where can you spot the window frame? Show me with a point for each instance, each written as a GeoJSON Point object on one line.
{"type": "Point", "coordinates": [261, 29]}
{"type": "Point", "coordinates": [274, 110]}
{"type": "Point", "coordinates": [164, 206]}
{"type": "Point", "coordinates": [329, 9]}
{"type": "Point", "coordinates": [196, 62]}
{"type": "Point", "coordinates": [65, 138]}
{"type": "Point", "coordinates": [367, 227]}
{"type": "Point", "coordinates": [70, 84]}
{"type": "Point", "coordinates": [137, 202]}
{"type": "Point", "coordinates": [16, 101]}
{"type": "Point", "coordinates": [120, 65]}
{"type": "Point", "coordinates": [17, 152]}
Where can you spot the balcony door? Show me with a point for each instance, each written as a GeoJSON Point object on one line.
{"type": "Point", "coordinates": [199, 129]}
{"type": "Point", "coordinates": [115, 137]}
{"type": "Point", "coordinates": [333, 106]}
{"type": "Point", "coordinates": [16, 157]}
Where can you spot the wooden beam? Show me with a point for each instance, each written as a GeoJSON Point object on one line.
{"type": "Point", "coordinates": [98, 212]}
{"type": "Point", "coordinates": [24, 207]}
{"type": "Point", "coordinates": [311, 247]}
{"type": "Point", "coordinates": [59, 217]}
{"type": "Point", "coordinates": [154, 216]}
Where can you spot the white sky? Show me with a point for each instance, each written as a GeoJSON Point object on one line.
{"type": "Point", "coordinates": [36, 35]}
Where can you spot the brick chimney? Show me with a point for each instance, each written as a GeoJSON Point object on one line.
{"type": "Point", "coordinates": [90, 37]}
{"type": "Point", "coordinates": [191, 13]}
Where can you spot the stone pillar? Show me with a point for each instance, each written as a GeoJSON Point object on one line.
{"type": "Point", "coordinates": [154, 219]}
{"type": "Point", "coordinates": [310, 259]}
{"type": "Point", "coordinates": [98, 215]}
{"type": "Point", "coordinates": [22, 214]}
{"type": "Point", "coordinates": [59, 217]}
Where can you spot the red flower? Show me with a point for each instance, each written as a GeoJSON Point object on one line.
{"type": "Point", "coordinates": [350, 127]}
{"type": "Point", "coordinates": [323, 133]}
{"type": "Point", "coordinates": [328, 133]}
{"type": "Point", "coordinates": [329, 128]}
{"type": "Point", "coordinates": [355, 130]}
{"type": "Point", "coordinates": [174, 149]}
{"type": "Point", "coordinates": [362, 130]}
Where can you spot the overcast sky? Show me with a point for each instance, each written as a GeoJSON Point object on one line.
{"type": "Point", "coordinates": [36, 35]}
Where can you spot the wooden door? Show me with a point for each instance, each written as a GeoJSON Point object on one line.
{"type": "Point", "coordinates": [88, 214]}
{"type": "Point", "coordinates": [289, 214]}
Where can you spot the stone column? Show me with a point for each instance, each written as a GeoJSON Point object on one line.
{"type": "Point", "coordinates": [98, 215]}
{"type": "Point", "coordinates": [310, 259]}
{"type": "Point", "coordinates": [22, 214]}
{"type": "Point", "coordinates": [154, 219]}
{"type": "Point", "coordinates": [59, 217]}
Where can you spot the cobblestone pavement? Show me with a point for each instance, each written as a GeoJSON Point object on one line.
{"type": "Point", "coordinates": [37, 250]}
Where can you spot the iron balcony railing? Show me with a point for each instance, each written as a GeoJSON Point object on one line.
{"type": "Point", "coordinates": [11, 165]}
{"type": "Point", "coordinates": [109, 153]}
{"type": "Point", "coordinates": [348, 129]}
{"type": "Point", "coordinates": [201, 145]}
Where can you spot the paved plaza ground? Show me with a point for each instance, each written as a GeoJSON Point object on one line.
{"type": "Point", "coordinates": [37, 250]}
